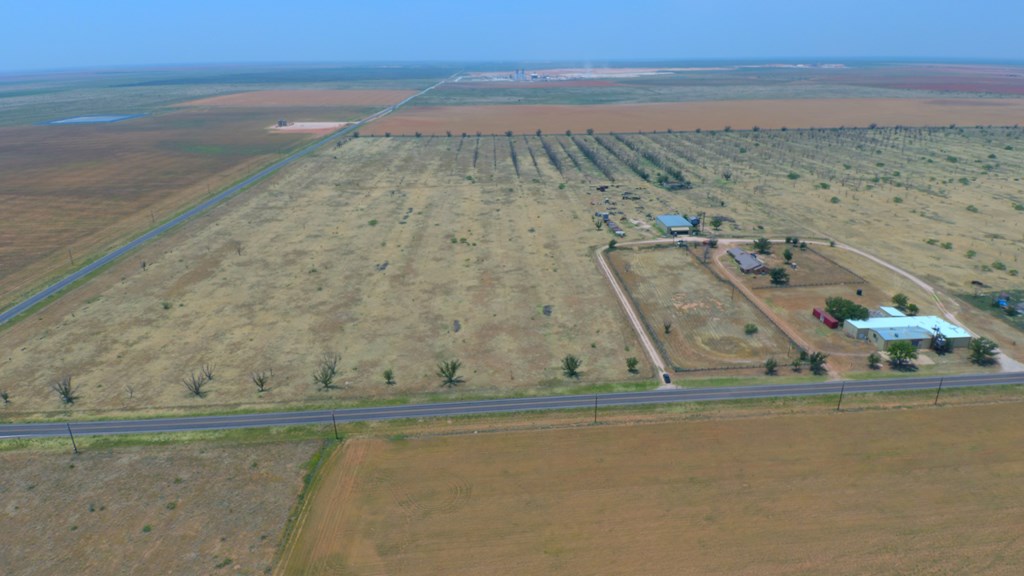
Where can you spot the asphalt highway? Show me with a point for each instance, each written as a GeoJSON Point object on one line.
{"type": "Point", "coordinates": [60, 285]}
{"type": "Point", "coordinates": [444, 409]}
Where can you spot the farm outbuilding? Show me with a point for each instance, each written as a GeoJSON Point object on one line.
{"type": "Point", "coordinates": [826, 318]}
{"type": "Point", "coordinates": [749, 263]}
{"type": "Point", "coordinates": [673, 224]}
{"type": "Point", "coordinates": [921, 331]}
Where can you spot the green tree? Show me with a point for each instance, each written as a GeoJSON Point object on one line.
{"type": "Point", "coordinates": [763, 246]}
{"type": "Point", "coordinates": [590, 131]}
{"type": "Point", "coordinates": [901, 301]}
{"type": "Point", "coordinates": [771, 366]}
{"type": "Point", "coordinates": [571, 366]}
{"type": "Point", "coordinates": [982, 351]}
{"type": "Point", "coordinates": [816, 361]}
{"type": "Point", "coordinates": [788, 255]}
{"type": "Point", "coordinates": [901, 354]}
{"type": "Point", "coordinates": [797, 364]}
{"type": "Point", "coordinates": [389, 376]}
{"type": "Point", "coordinates": [912, 309]}
{"type": "Point", "coordinates": [612, 243]}
{"type": "Point", "coordinates": [631, 363]}
{"type": "Point", "coordinates": [716, 222]}
{"type": "Point", "coordinates": [779, 276]}
{"type": "Point", "coordinates": [448, 370]}
{"type": "Point", "coordinates": [750, 329]}
{"type": "Point", "coordinates": [842, 309]}
{"type": "Point", "coordinates": [874, 360]}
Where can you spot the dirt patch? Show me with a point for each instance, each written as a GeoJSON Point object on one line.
{"type": "Point", "coordinates": [187, 509]}
{"type": "Point", "coordinates": [321, 128]}
{"type": "Point", "coordinates": [740, 115]}
{"type": "Point", "coordinates": [848, 494]}
{"type": "Point", "coordinates": [301, 98]}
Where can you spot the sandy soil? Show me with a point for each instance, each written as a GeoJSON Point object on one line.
{"type": "Point", "coordinates": [208, 508]}
{"type": "Point", "coordinates": [321, 128]}
{"type": "Point", "coordinates": [740, 114]}
{"type": "Point", "coordinates": [299, 98]}
{"type": "Point", "coordinates": [848, 494]}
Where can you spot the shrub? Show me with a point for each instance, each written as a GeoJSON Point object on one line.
{"type": "Point", "coordinates": [750, 329]}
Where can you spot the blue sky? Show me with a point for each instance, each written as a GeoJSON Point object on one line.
{"type": "Point", "coordinates": [83, 34]}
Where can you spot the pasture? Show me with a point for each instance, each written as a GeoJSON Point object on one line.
{"type": "Point", "coordinates": [398, 253]}
{"type": "Point", "coordinates": [810, 494]}
{"type": "Point", "coordinates": [706, 318]}
{"type": "Point", "coordinates": [183, 508]}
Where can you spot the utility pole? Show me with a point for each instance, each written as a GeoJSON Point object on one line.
{"type": "Point", "coordinates": [335, 421]}
{"type": "Point", "coordinates": [595, 408]}
{"type": "Point", "coordinates": [73, 445]}
{"type": "Point", "coordinates": [937, 392]}
{"type": "Point", "coordinates": [70, 257]}
{"type": "Point", "coordinates": [841, 392]}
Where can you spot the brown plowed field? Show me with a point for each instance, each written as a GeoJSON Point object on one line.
{"type": "Point", "coordinates": [739, 114]}
{"type": "Point", "coordinates": [277, 98]}
{"type": "Point", "coordinates": [913, 492]}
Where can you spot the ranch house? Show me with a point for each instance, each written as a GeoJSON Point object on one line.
{"type": "Point", "coordinates": [921, 331]}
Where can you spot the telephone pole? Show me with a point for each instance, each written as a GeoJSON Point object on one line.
{"type": "Point", "coordinates": [73, 445]}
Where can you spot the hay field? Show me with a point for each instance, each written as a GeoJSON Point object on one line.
{"type": "Point", "coordinates": [917, 492]}
{"type": "Point", "coordinates": [209, 508]}
{"type": "Point", "coordinates": [83, 189]}
{"type": "Point", "coordinates": [707, 317]}
{"type": "Point", "coordinates": [302, 98]}
{"type": "Point", "coordinates": [705, 115]}
{"type": "Point", "coordinates": [377, 251]}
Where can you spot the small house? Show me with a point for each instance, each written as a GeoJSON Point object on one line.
{"type": "Point", "coordinates": [749, 263]}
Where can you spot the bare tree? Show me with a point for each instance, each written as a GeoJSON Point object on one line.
{"type": "Point", "coordinates": [194, 383]}
{"type": "Point", "coordinates": [207, 371]}
{"type": "Point", "coordinates": [326, 370]}
{"type": "Point", "coordinates": [261, 379]}
{"type": "Point", "coordinates": [130, 390]}
{"type": "Point", "coordinates": [449, 372]}
{"type": "Point", "coordinates": [64, 389]}
{"type": "Point", "coordinates": [668, 325]}
{"type": "Point", "coordinates": [5, 397]}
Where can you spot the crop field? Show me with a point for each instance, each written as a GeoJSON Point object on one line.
{"type": "Point", "coordinates": [165, 509]}
{"type": "Point", "coordinates": [924, 492]}
{"type": "Point", "coordinates": [702, 115]}
{"type": "Point", "coordinates": [297, 98]}
{"type": "Point", "coordinates": [707, 317]}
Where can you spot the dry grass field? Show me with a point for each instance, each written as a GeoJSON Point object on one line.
{"type": "Point", "coordinates": [909, 492]}
{"type": "Point", "coordinates": [707, 317]}
{"type": "Point", "coordinates": [378, 251]}
{"type": "Point", "coordinates": [708, 115]}
{"type": "Point", "coordinates": [73, 192]}
{"type": "Point", "coordinates": [180, 509]}
{"type": "Point", "coordinates": [402, 252]}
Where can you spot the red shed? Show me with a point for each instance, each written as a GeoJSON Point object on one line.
{"type": "Point", "coordinates": [826, 318]}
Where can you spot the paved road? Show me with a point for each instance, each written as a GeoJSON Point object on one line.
{"type": "Point", "coordinates": [57, 287]}
{"type": "Point", "coordinates": [497, 406]}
